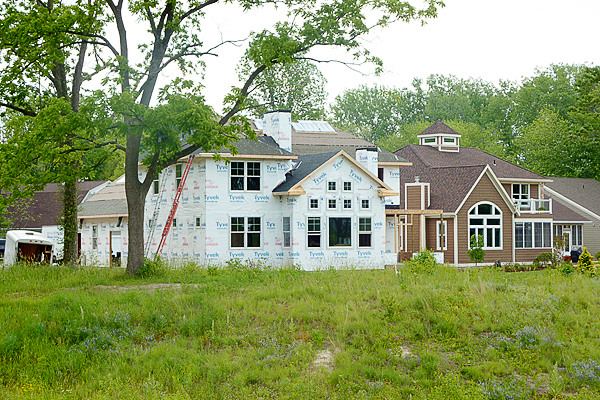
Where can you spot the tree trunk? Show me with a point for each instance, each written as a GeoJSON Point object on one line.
{"type": "Point", "coordinates": [69, 222]}
{"type": "Point", "coordinates": [136, 197]}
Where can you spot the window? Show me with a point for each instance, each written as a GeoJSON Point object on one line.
{"type": "Point", "coordinates": [174, 222]}
{"type": "Point", "coordinates": [245, 176]}
{"type": "Point", "coordinates": [198, 222]}
{"type": "Point", "coordinates": [364, 232]}
{"type": "Point", "coordinates": [178, 174]}
{"type": "Point", "coordinates": [520, 194]}
{"type": "Point", "coordinates": [332, 204]}
{"type": "Point", "coordinates": [577, 235]}
{"type": "Point", "coordinates": [314, 232]}
{"type": "Point", "coordinates": [245, 232]}
{"type": "Point", "coordinates": [530, 235]}
{"type": "Point", "coordinates": [347, 204]}
{"type": "Point", "coordinates": [365, 204]}
{"type": "Point", "coordinates": [441, 235]}
{"type": "Point", "coordinates": [313, 204]}
{"type": "Point", "coordinates": [155, 188]}
{"type": "Point", "coordinates": [340, 232]}
{"type": "Point", "coordinates": [94, 237]}
{"type": "Point", "coordinates": [347, 186]}
{"type": "Point", "coordinates": [380, 172]}
{"type": "Point", "coordinates": [450, 140]}
{"type": "Point", "coordinates": [331, 186]}
{"type": "Point", "coordinates": [429, 140]}
{"type": "Point", "coordinates": [287, 232]}
{"type": "Point", "coordinates": [485, 219]}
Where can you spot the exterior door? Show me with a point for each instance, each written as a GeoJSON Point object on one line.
{"type": "Point", "coordinates": [115, 248]}
{"type": "Point", "coordinates": [567, 236]}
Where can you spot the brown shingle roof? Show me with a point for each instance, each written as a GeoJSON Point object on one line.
{"type": "Point", "coordinates": [438, 127]}
{"type": "Point", "coordinates": [465, 157]}
{"type": "Point", "coordinates": [562, 213]}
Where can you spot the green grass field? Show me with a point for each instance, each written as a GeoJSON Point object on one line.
{"type": "Point", "coordinates": [244, 333]}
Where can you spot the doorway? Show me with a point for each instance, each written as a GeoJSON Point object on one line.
{"type": "Point", "coordinates": [115, 248]}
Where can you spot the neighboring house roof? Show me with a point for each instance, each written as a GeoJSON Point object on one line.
{"type": "Point", "coordinates": [562, 213]}
{"type": "Point", "coordinates": [264, 146]}
{"type": "Point", "coordinates": [466, 157]}
{"type": "Point", "coordinates": [309, 164]}
{"type": "Point", "coordinates": [45, 207]}
{"type": "Point", "coordinates": [110, 201]}
{"type": "Point", "coordinates": [583, 193]}
{"type": "Point", "coordinates": [314, 137]}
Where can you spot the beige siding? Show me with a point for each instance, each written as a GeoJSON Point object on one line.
{"type": "Point", "coordinates": [413, 197]}
{"type": "Point", "coordinates": [591, 237]}
{"type": "Point", "coordinates": [485, 191]}
{"type": "Point", "coordinates": [431, 237]}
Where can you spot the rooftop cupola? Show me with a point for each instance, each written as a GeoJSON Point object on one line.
{"type": "Point", "coordinates": [440, 136]}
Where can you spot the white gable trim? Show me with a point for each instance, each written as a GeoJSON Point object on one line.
{"type": "Point", "coordinates": [351, 160]}
{"type": "Point", "coordinates": [496, 182]}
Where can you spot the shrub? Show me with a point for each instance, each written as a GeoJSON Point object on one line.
{"type": "Point", "coordinates": [152, 268]}
{"type": "Point", "coordinates": [476, 252]}
{"type": "Point", "coordinates": [543, 260]}
{"type": "Point", "coordinates": [586, 266]}
{"type": "Point", "coordinates": [422, 262]}
{"type": "Point", "coordinates": [597, 256]}
{"type": "Point", "coordinates": [566, 268]}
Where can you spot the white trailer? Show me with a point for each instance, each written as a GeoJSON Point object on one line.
{"type": "Point", "coordinates": [27, 246]}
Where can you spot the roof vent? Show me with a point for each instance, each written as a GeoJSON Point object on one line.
{"type": "Point", "coordinates": [417, 178]}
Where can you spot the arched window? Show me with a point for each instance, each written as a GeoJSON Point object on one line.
{"type": "Point", "coordinates": [485, 219]}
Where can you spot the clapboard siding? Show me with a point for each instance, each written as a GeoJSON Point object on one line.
{"type": "Point", "coordinates": [485, 191]}
{"type": "Point", "coordinates": [431, 238]}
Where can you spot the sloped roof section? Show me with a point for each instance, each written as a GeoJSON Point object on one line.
{"type": "Point", "coordinates": [306, 165]}
{"type": "Point", "coordinates": [438, 128]}
{"type": "Point", "coordinates": [585, 192]}
{"type": "Point", "coordinates": [45, 207]}
{"type": "Point", "coordinates": [264, 146]}
{"type": "Point", "coordinates": [111, 200]}
{"type": "Point", "coordinates": [466, 157]}
{"type": "Point", "coordinates": [562, 213]}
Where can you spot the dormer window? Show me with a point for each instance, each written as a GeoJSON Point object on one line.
{"type": "Point", "coordinates": [449, 140]}
{"type": "Point", "coordinates": [429, 141]}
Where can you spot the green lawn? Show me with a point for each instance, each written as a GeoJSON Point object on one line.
{"type": "Point", "coordinates": [286, 334]}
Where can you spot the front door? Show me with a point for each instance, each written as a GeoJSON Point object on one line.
{"type": "Point", "coordinates": [115, 248]}
{"type": "Point", "coordinates": [567, 236]}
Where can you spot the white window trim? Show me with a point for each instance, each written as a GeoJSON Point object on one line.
{"type": "Point", "coordinates": [344, 186]}
{"type": "Point", "coordinates": [438, 225]}
{"type": "Point", "coordinates": [361, 203]}
{"type": "Point", "coordinates": [344, 204]}
{"type": "Point", "coordinates": [336, 186]}
{"type": "Point", "coordinates": [353, 227]}
{"type": "Point", "coordinates": [246, 176]}
{"type": "Point", "coordinates": [95, 244]}
{"type": "Point", "coordinates": [335, 199]}
{"type": "Point", "coordinates": [521, 199]}
{"type": "Point", "coordinates": [283, 231]}
{"type": "Point", "coordinates": [245, 232]}
{"type": "Point", "coordinates": [532, 222]}
{"type": "Point", "coordinates": [370, 232]}
{"type": "Point", "coordinates": [320, 232]}
{"type": "Point", "coordinates": [198, 219]}
{"type": "Point", "coordinates": [318, 207]}
{"type": "Point", "coordinates": [485, 225]}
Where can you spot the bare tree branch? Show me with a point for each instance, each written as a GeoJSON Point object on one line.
{"type": "Point", "coordinates": [19, 109]}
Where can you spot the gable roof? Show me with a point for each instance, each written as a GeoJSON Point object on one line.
{"type": "Point", "coordinates": [467, 157]}
{"type": "Point", "coordinates": [263, 146]}
{"type": "Point", "coordinates": [310, 164]}
{"type": "Point", "coordinates": [110, 201]}
{"type": "Point", "coordinates": [562, 213]}
{"type": "Point", "coordinates": [583, 193]}
{"type": "Point", "coordinates": [45, 207]}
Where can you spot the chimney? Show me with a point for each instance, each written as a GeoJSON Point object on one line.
{"type": "Point", "coordinates": [368, 158]}
{"type": "Point", "coordinates": [278, 125]}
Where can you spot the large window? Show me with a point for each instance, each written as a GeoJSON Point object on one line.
{"type": "Point", "coordinates": [441, 236]}
{"type": "Point", "coordinates": [520, 195]}
{"type": "Point", "coordinates": [314, 232]}
{"type": "Point", "coordinates": [245, 232]}
{"type": "Point", "coordinates": [485, 219]}
{"type": "Point", "coordinates": [287, 232]}
{"type": "Point", "coordinates": [577, 235]}
{"type": "Point", "coordinates": [529, 235]}
{"type": "Point", "coordinates": [364, 232]}
{"type": "Point", "coordinates": [340, 232]}
{"type": "Point", "coordinates": [245, 176]}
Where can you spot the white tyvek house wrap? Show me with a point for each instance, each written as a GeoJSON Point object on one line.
{"type": "Point", "coordinates": [391, 177]}
{"type": "Point", "coordinates": [363, 188]}
{"type": "Point", "coordinates": [105, 226]}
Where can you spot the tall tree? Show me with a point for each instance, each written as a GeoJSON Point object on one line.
{"type": "Point", "coordinates": [176, 39]}
{"type": "Point", "coordinates": [40, 88]}
{"type": "Point", "coordinates": [298, 87]}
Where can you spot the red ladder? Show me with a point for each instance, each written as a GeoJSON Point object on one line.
{"type": "Point", "coordinates": [169, 222]}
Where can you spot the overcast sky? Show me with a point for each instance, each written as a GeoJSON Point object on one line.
{"type": "Point", "coordinates": [491, 40]}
